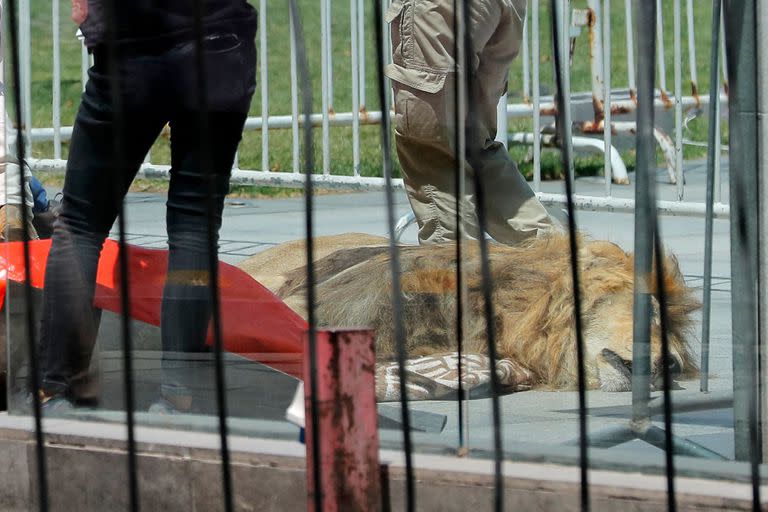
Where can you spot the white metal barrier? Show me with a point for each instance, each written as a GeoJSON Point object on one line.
{"type": "Point", "coordinates": [590, 25]}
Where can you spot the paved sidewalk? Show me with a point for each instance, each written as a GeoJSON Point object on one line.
{"type": "Point", "coordinates": [529, 418]}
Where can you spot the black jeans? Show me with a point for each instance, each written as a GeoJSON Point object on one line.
{"type": "Point", "coordinates": [157, 87]}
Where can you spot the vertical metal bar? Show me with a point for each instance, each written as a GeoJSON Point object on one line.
{"type": "Point", "coordinates": [645, 146]}
{"type": "Point", "coordinates": [459, 142]}
{"type": "Point", "coordinates": [724, 80]}
{"type": "Point", "coordinates": [646, 239]}
{"type": "Point", "coordinates": [660, 48]}
{"type": "Point", "coordinates": [56, 106]}
{"type": "Point", "coordinates": [564, 130]}
{"type": "Point", "coordinates": [85, 60]}
{"type": "Point", "coordinates": [501, 120]}
{"type": "Point", "coordinates": [325, 79]}
{"type": "Point", "coordinates": [329, 53]}
{"type": "Point", "coordinates": [355, 87]}
{"type": "Point", "coordinates": [526, 67]}
{"type": "Point", "coordinates": [564, 17]}
{"type": "Point", "coordinates": [607, 95]}
{"type": "Point", "coordinates": [692, 49]}
{"type": "Point", "coordinates": [388, 56]}
{"type": "Point", "coordinates": [345, 365]}
{"type": "Point", "coordinates": [25, 52]}
{"type": "Point", "coordinates": [646, 165]}
{"type": "Point", "coordinates": [263, 56]}
{"type": "Point", "coordinates": [630, 48]}
{"type": "Point", "coordinates": [309, 164]}
{"type": "Point", "coordinates": [536, 51]}
{"type": "Point", "coordinates": [115, 86]}
{"type": "Point", "coordinates": [487, 283]}
{"type": "Point", "coordinates": [718, 158]}
{"type": "Point", "coordinates": [762, 241]}
{"type": "Point", "coordinates": [723, 53]}
{"type": "Point", "coordinates": [742, 49]}
{"type": "Point", "coordinates": [678, 70]}
{"type": "Point", "coordinates": [213, 262]}
{"type": "Point", "coordinates": [361, 51]}
{"type": "Point", "coordinates": [397, 299]}
{"type": "Point", "coordinates": [34, 368]}
{"type": "Point", "coordinates": [295, 142]}
{"type": "Point", "coordinates": [712, 156]}
{"type": "Point", "coordinates": [669, 446]}
{"type": "Point", "coordinates": [125, 324]}
{"type": "Point", "coordinates": [596, 57]}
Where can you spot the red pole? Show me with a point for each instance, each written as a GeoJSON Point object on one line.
{"type": "Point", "coordinates": [347, 421]}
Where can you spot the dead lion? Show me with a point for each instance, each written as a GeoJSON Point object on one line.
{"type": "Point", "coordinates": [532, 294]}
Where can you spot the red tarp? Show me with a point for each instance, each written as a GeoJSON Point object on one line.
{"type": "Point", "coordinates": [255, 323]}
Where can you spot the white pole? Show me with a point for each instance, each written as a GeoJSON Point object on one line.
{"type": "Point", "coordinates": [329, 51]}
{"type": "Point", "coordinates": [607, 171]}
{"type": "Point", "coordinates": [660, 48]}
{"type": "Point", "coordinates": [264, 85]}
{"type": "Point", "coordinates": [56, 106]}
{"type": "Point", "coordinates": [526, 62]}
{"type": "Point", "coordinates": [536, 51]}
{"type": "Point", "coordinates": [678, 51]}
{"type": "Point", "coordinates": [692, 47]}
{"type": "Point", "coordinates": [85, 60]}
{"type": "Point", "coordinates": [361, 49]}
{"type": "Point", "coordinates": [25, 51]}
{"type": "Point", "coordinates": [630, 47]}
{"type": "Point", "coordinates": [325, 85]}
{"type": "Point", "coordinates": [294, 100]}
{"type": "Point", "coordinates": [353, 4]}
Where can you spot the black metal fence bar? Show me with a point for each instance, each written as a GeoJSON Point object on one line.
{"type": "Point", "coordinates": [207, 162]}
{"type": "Point", "coordinates": [302, 66]}
{"type": "Point", "coordinates": [647, 241]}
{"type": "Point", "coordinates": [646, 161]}
{"type": "Point", "coordinates": [485, 263]}
{"type": "Point", "coordinates": [118, 137]}
{"type": "Point", "coordinates": [459, 177]}
{"type": "Point", "coordinates": [34, 366]}
{"type": "Point", "coordinates": [712, 155]}
{"type": "Point", "coordinates": [669, 442]}
{"type": "Point", "coordinates": [741, 47]}
{"type": "Point", "coordinates": [394, 261]}
{"type": "Point", "coordinates": [564, 132]}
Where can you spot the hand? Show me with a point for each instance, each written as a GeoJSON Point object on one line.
{"type": "Point", "coordinates": [79, 11]}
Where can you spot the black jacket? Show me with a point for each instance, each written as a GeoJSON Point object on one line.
{"type": "Point", "coordinates": [166, 21]}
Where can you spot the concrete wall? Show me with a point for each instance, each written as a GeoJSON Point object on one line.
{"type": "Point", "coordinates": [180, 471]}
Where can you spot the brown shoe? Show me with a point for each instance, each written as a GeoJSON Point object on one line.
{"type": "Point", "coordinates": [43, 221]}
{"type": "Point", "coordinates": [11, 225]}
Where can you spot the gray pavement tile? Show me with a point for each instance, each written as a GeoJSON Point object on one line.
{"type": "Point", "coordinates": [529, 417]}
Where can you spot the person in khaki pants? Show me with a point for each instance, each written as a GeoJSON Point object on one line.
{"type": "Point", "coordinates": [424, 81]}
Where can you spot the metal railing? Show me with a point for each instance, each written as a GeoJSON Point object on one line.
{"type": "Point", "coordinates": [589, 27]}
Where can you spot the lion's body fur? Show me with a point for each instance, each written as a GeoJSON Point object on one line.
{"type": "Point", "coordinates": [532, 295]}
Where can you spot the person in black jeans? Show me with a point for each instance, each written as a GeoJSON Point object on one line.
{"type": "Point", "coordinates": [158, 85]}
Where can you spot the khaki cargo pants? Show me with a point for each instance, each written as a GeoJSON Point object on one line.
{"type": "Point", "coordinates": [424, 82]}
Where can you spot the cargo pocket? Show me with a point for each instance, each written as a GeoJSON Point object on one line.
{"type": "Point", "coordinates": [421, 43]}
{"type": "Point", "coordinates": [421, 116]}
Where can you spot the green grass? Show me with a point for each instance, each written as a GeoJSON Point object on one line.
{"type": "Point", "coordinates": [341, 137]}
